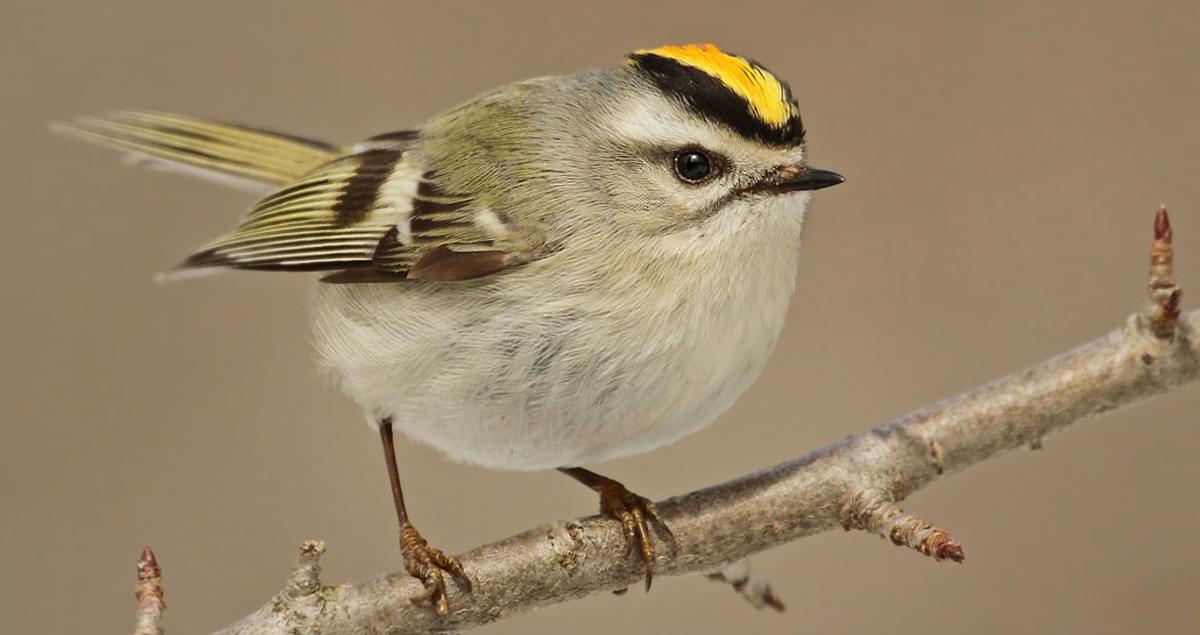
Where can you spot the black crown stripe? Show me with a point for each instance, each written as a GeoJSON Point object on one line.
{"type": "Point", "coordinates": [710, 98]}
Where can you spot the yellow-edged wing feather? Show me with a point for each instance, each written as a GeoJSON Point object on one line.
{"type": "Point", "coordinates": [370, 216]}
{"type": "Point", "coordinates": [333, 217]}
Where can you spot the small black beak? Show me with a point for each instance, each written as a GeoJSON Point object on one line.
{"type": "Point", "coordinates": [798, 178]}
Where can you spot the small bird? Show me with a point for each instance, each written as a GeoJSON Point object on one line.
{"type": "Point", "coordinates": [558, 272]}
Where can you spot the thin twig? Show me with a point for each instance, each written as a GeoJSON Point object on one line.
{"type": "Point", "coordinates": [306, 575]}
{"type": "Point", "coordinates": [853, 483]}
{"type": "Point", "coordinates": [1165, 297]}
{"type": "Point", "coordinates": [873, 511]}
{"type": "Point", "coordinates": [149, 595]}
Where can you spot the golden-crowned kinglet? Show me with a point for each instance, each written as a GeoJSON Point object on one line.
{"type": "Point", "coordinates": [557, 272]}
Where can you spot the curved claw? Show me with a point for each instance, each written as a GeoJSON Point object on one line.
{"type": "Point", "coordinates": [434, 592]}
{"type": "Point", "coordinates": [631, 531]}
{"type": "Point", "coordinates": [647, 544]}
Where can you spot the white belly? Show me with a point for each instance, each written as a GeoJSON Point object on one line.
{"type": "Point", "coordinates": [495, 374]}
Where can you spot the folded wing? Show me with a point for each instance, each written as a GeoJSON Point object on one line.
{"type": "Point", "coordinates": [367, 213]}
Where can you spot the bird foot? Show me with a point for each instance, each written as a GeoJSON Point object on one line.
{"type": "Point", "coordinates": [429, 566]}
{"type": "Point", "coordinates": [635, 513]}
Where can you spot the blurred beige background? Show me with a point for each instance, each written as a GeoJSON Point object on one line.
{"type": "Point", "coordinates": [1004, 164]}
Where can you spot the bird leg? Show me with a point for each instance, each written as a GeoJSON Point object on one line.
{"type": "Point", "coordinates": [420, 560]}
{"type": "Point", "coordinates": [634, 512]}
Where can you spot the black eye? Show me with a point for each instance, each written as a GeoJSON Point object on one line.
{"type": "Point", "coordinates": [693, 166]}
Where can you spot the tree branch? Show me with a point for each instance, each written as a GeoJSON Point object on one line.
{"type": "Point", "coordinates": [854, 483]}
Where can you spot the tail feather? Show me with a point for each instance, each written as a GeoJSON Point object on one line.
{"type": "Point", "coordinates": [210, 148]}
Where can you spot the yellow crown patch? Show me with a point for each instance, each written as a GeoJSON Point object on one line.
{"type": "Point", "coordinates": [767, 97]}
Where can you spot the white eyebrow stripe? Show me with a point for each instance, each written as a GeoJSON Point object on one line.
{"type": "Point", "coordinates": [640, 120]}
